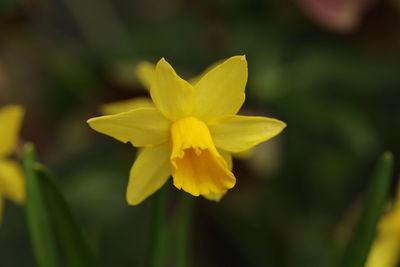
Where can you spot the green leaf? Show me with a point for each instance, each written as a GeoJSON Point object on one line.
{"type": "Point", "coordinates": [359, 246]}
{"type": "Point", "coordinates": [157, 248]}
{"type": "Point", "coordinates": [42, 237]}
{"type": "Point", "coordinates": [69, 235]}
{"type": "Point", "coordinates": [50, 219]}
{"type": "Point", "coordinates": [184, 226]}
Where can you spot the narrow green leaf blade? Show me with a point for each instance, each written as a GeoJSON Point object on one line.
{"type": "Point", "coordinates": [39, 224]}
{"type": "Point", "coordinates": [75, 250]}
{"type": "Point", "coordinates": [184, 227]}
{"type": "Point", "coordinates": [358, 248]}
{"type": "Point", "coordinates": [157, 247]}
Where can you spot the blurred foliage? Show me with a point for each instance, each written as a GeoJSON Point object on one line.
{"type": "Point", "coordinates": [374, 202]}
{"type": "Point", "coordinates": [338, 93]}
{"type": "Point", "coordinates": [50, 220]}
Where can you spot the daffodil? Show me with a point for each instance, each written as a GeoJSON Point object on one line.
{"type": "Point", "coordinates": [385, 251]}
{"type": "Point", "coordinates": [190, 132]}
{"type": "Point", "coordinates": [11, 177]}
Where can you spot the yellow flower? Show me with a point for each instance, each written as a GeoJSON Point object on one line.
{"type": "Point", "coordinates": [385, 251]}
{"type": "Point", "coordinates": [190, 132]}
{"type": "Point", "coordinates": [11, 177]}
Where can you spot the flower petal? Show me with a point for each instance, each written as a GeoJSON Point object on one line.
{"type": "Point", "coordinates": [141, 127]}
{"type": "Point", "coordinates": [10, 121]}
{"type": "Point", "coordinates": [172, 95]}
{"type": "Point", "coordinates": [384, 251]}
{"type": "Point", "coordinates": [145, 73]}
{"type": "Point", "coordinates": [11, 181]}
{"type": "Point", "coordinates": [228, 158]}
{"type": "Point", "coordinates": [150, 171]}
{"type": "Point", "coordinates": [221, 91]}
{"type": "Point", "coordinates": [239, 133]}
{"type": "Point", "coordinates": [245, 154]}
{"type": "Point", "coordinates": [126, 105]}
{"type": "Point", "coordinates": [215, 196]}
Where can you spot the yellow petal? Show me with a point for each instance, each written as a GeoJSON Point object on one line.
{"type": "Point", "coordinates": [149, 172]}
{"type": "Point", "coordinates": [126, 105]}
{"type": "Point", "coordinates": [385, 252]}
{"type": "Point", "coordinates": [10, 121]}
{"type": "Point", "coordinates": [228, 159]}
{"type": "Point", "coordinates": [221, 91]}
{"type": "Point", "coordinates": [12, 183]}
{"type": "Point", "coordinates": [215, 196]}
{"type": "Point", "coordinates": [390, 221]}
{"type": "Point", "coordinates": [141, 127]}
{"type": "Point", "coordinates": [172, 95]}
{"type": "Point", "coordinates": [145, 73]}
{"type": "Point", "coordinates": [198, 168]}
{"type": "Point", "coordinates": [245, 154]}
{"type": "Point", "coordinates": [239, 133]}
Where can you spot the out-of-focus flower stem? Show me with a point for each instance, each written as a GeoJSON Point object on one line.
{"type": "Point", "coordinates": [156, 255]}
{"type": "Point", "coordinates": [184, 229]}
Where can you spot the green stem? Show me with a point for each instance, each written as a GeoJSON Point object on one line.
{"type": "Point", "coordinates": [184, 223]}
{"type": "Point", "coordinates": [41, 232]}
{"type": "Point", "coordinates": [156, 257]}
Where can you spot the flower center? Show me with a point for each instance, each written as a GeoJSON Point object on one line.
{"type": "Point", "coordinates": [198, 168]}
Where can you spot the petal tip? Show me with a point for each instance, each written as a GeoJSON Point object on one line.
{"type": "Point", "coordinates": [131, 199]}
{"type": "Point", "coordinates": [91, 121]}
{"type": "Point", "coordinates": [132, 202]}
{"type": "Point", "coordinates": [162, 60]}
{"type": "Point", "coordinates": [239, 58]}
{"type": "Point", "coordinates": [283, 125]}
{"type": "Point", "coordinates": [163, 64]}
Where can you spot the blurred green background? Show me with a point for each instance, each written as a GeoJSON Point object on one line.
{"type": "Point", "coordinates": [333, 79]}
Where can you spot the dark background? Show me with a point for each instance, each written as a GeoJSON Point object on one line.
{"type": "Point", "coordinates": [331, 75]}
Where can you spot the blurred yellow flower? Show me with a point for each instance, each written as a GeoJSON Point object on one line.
{"type": "Point", "coordinates": [190, 132]}
{"type": "Point", "coordinates": [385, 251]}
{"type": "Point", "coordinates": [11, 177]}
